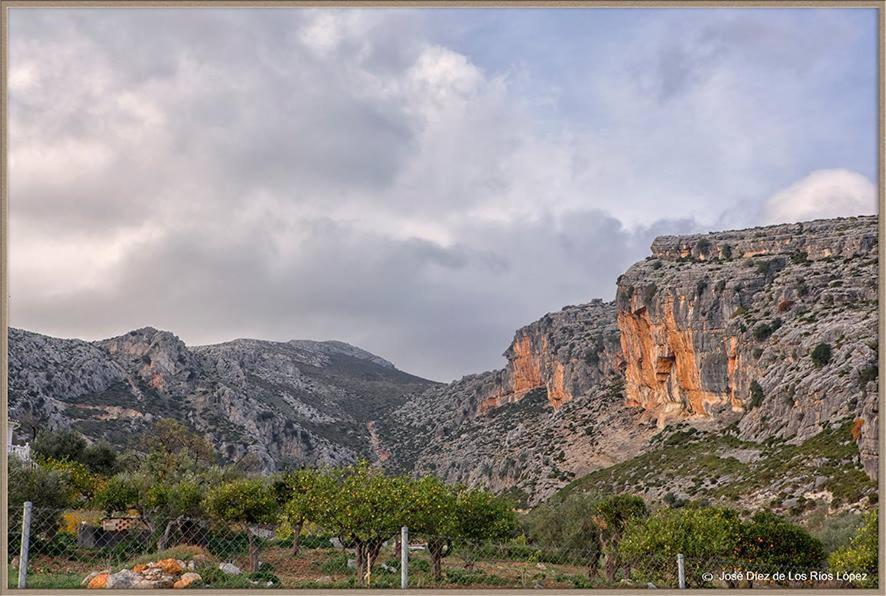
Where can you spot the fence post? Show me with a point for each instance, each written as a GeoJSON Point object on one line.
{"type": "Point", "coordinates": [681, 572]}
{"type": "Point", "coordinates": [404, 558]}
{"type": "Point", "coordinates": [25, 545]}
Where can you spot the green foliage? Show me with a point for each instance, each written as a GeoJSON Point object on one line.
{"type": "Point", "coordinates": [770, 542]}
{"type": "Point", "coordinates": [120, 493]}
{"type": "Point", "coordinates": [860, 556]}
{"type": "Point", "coordinates": [250, 501]}
{"type": "Point", "coordinates": [48, 490]}
{"type": "Point", "coordinates": [101, 459]}
{"type": "Point", "coordinates": [764, 331]}
{"type": "Point", "coordinates": [59, 445]}
{"type": "Point", "coordinates": [483, 516]}
{"type": "Point", "coordinates": [756, 394]}
{"type": "Point", "coordinates": [81, 482]}
{"type": "Point", "coordinates": [868, 374]}
{"type": "Point", "coordinates": [821, 355]}
{"type": "Point", "coordinates": [565, 524]}
{"type": "Point", "coordinates": [174, 450]}
{"type": "Point", "coordinates": [698, 533]}
{"type": "Point", "coordinates": [70, 446]}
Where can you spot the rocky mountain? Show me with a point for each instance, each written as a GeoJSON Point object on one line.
{"type": "Point", "coordinates": [709, 343]}
{"type": "Point", "coordinates": [293, 402]}
{"type": "Point", "coordinates": [737, 366]}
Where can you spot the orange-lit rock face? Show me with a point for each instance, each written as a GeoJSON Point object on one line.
{"type": "Point", "coordinates": [662, 370]}
{"type": "Point", "coordinates": [556, 386]}
{"type": "Point", "coordinates": [525, 368]}
{"type": "Point", "coordinates": [531, 365]}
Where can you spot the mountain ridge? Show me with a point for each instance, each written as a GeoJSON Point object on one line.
{"type": "Point", "coordinates": [712, 333]}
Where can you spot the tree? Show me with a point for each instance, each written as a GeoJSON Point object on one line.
{"type": "Point", "coordinates": [100, 458]}
{"type": "Point", "coordinates": [49, 491]}
{"type": "Point", "coordinates": [480, 516]}
{"type": "Point", "coordinates": [433, 514]}
{"type": "Point", "coordinates": [172, 449]}
{"type": "Point", "coordinates": [611, 515]}
{"type": "Point", "coordinates": [301, 493]}
{"type": "Point", "coordinates": [60, 445]}
{"type": "Point", "coordinates": [821, 355]}
{"type": "Point", "coordinates": [165, 507]}
{"type": "Point", "coordinates": [250, 502]}
{"type": "Point", "coordinates": [860, 555]}
{"type": "Point", "coordinates": [567, 525]}
{"type": "Point", "coordinates": [364, 508]}
{"type": "Point", "coordinates": [82, 483]}
{"type": "Point", "coordinates": [770, 542]}
{"type": "Point", "coordinates": [649, 545]}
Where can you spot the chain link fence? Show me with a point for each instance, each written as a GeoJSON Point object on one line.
{"type": "Point", "coordinates": [77, 548]}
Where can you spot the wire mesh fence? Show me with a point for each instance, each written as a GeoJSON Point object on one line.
{"type": "Point", "coordinates": [78, 548]}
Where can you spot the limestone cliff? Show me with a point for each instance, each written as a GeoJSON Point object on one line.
{"type": "Point", "coordinates": [565, 354]}
{"type": "Point", "coordinates": [750, 346]}
{"type": "Point", "coordinates": [723, 326]}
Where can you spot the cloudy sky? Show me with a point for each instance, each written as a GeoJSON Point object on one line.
{"type": "Point", "coordinates": [416, 182]}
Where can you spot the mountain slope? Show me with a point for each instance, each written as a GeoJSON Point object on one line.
{"type": "Point", "coordinates": [292, 402]}
{"type": "Point", "coordinates": [726, 358]}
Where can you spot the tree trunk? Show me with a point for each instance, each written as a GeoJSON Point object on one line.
{"type": "Point", "coordinates": [610, 565]}
{"type": "Point", "coordinates": [360, 562]}
{"type": "Point", "coordinates": [438, 548]}
{"type": "Point", "coordinates": [296, 538]}
{"type": "Point", "coordinates": [253, 553]}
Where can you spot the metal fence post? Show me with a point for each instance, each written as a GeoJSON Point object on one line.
{"type": "Point", "coordinates": [404, 558]}
{"type": "Point", "coordinates": [681, 572]}
{"type": "Point", "coordinates": [25, 545]}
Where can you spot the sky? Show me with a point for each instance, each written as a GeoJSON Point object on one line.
{"type": "Point", "coordinates": [419, 183]}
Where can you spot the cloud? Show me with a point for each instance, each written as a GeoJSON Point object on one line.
{"type": "Point", "coordinates": [384, 177]}
{"type": "Point", "coordinates": [823, 194]}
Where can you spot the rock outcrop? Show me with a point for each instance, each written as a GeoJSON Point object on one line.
{"type": "Point", "coordinates": [765, 336]}
{"type": "Point", "coordinates": [723, 326]}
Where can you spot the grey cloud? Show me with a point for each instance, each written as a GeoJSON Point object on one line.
{"type": "Point", "coordinates": [437, 311]}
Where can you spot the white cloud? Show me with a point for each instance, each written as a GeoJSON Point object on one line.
{"type": "Point", "coordinates": [822, 194]}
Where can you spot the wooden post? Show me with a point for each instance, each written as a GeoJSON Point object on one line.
{"type": "Point", "coordinates": [681, 572]}
{"type": "Point", "coordinates": [25, 545]}
{"type": "Point", "coordinates": [404, 558]}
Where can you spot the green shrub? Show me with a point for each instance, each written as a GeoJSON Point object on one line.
{"type": "Point", "coordinates": [756, 394]}
{"type": "Point", "coordinates": [770, 542]}
{"type": "Point", "coordinates": [821, 355]}
{"type": "Point", "coordinates": [699, 533]}
{"type": "Point", "coordinates": [860, 556]}
{"type": "Point", "coordinates": [764, 331]}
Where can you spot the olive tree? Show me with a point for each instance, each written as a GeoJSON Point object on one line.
{"type": "Point", "coordinates": [567, 525]}
{"type": "Point", "coordinates": [611, 515]}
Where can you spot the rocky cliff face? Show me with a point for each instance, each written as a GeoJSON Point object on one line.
{"type": "Point", "coordinates": [723, 326]}
{"type": "Point", "coordinates": [746, 347]}
{"type": "Point", "coordinates": [297, 402]}
{"type": "Point", "coordinates": [555, 412]}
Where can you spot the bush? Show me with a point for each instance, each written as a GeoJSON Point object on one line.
{"type": "Point", "coordinates": [860, 556]}
{"type": "Point", "coordinates": [770, 542]}
{"type": "Point", "coordinates": [764, 331]}
{"type": "Point", "coordinates": [700, 534]}
{"type": "Point", "coordinates": [756, 394]}
{"type": "Point", "coordinates": [821, 355]}
{"type": "Point", "coordinates": [61, 445]}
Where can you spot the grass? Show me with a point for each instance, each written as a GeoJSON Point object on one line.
{"type": "Point", "coordinates": [47, 581]}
